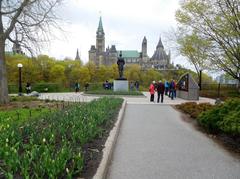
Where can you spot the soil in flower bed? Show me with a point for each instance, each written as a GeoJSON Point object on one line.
{"type": "Point", "coordinates": [34, 104]}
{"type": "Point", "coordinates": [92, 152]}
{"type": "Point", "coordinates": [228, 142]}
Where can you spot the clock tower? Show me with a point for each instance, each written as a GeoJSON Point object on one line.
{"type": "Point", "coordinates": [100, 38]}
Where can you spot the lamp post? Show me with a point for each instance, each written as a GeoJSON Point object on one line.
{"type": "Point", "coordinates": [200, 80]}
{"type": "Point", "coordinates": [20, 79]}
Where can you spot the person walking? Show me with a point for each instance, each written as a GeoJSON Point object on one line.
{"type": "Point", "coordinates": [152, 91]}
{"type": "Point", "coordinates": [171, 89]}
{"type": "Point", "coordinates": [166, 87]}
{"type": "Point", "coordinates": [131, 85]}
{"type": "Point", "coordinates": [175, 89]}
{"type": "Point", "coordinates": [28, 88]}
{"type": "Point", "coordinates": [77, 87]}
{"type": "Point", "coordinates": [160, 90]}
{"type": "Point", "coordinates": [137, 85]}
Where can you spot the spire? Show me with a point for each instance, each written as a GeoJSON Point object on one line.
{"type": "Point", "coordinates": [160, 45]}
{"type": "Point", "coordinates": [144, 39]}
{"type": "Point", "coordinates": [100, 26]}
{"type": "Point", "coordinates": [77, 56]}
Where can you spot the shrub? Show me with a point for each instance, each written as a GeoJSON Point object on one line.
{"type": "Point", "coordinates": [209, 119]}
{"type": "Point", "coordinates": [46, 87]}
{"type": "Point", "coordinates": [231, 123]}
{"type": "Point", "coordinates": [222, 118]}
{"type": "Point", "coordinates": [194, 109]}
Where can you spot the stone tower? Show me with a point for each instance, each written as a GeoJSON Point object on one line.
{"type": "Point", "coordinates": [160, 59]}
{"type": "Point", "coordinates": [144, 47]}
{"type": "Point", "coordinates": [144, 50]}
{"type": "Point", "coordinates": [112, 55]}
{"type": "Point", "coordinates": [93, 54]}
{"type": "Point", "coordinates": [100, 38]}
{"type": "Point", "coordinates": [77, 56]}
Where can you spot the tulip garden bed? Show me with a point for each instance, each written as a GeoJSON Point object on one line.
{"type": "Point", "coordinates": [64, 143]}
{"type": "Point", "coordinates": [221, 122]}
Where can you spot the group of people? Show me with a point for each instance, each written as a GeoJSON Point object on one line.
{"type": "Point", "coordinates": [107, 85]}
{"type": "Point", "coordinates": [134, 85]}
{"type": "Point", "coordinates": [77, 87]}
{"type": "Point", "coordinates": [167, 88]}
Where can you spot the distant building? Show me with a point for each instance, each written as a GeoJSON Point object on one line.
{"type": "Point", "coordinates": [77, 56]}
{"type": "Point", "coordinates": [160, 59]}
{"type": "Point", "coordinates": [101, 56]}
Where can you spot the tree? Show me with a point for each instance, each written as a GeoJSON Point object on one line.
{"type": "Point", "coordinates": [84, 75]}
{"type": "Point", "coordinates": [218, 23]}
{"type": "Point", "coordinates": [57, 73]}
{"type": "Point", "coordinates": [25, 23]}
{"type": "Point", "coordinates": [195, 49]}
{"type": "Point", "coordinates": [92, 70]}
{"type": "Point", "coordinates": [149, 76]}
{"type": "Point", "coordinates": [133, 72]}
{"type": "Point", "coordinates": [44, 63]}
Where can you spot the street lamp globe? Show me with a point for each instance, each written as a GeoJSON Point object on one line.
{"type": "Point", "coordinates": [19, 65]}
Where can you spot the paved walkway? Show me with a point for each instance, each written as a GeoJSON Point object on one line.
{"type": "Point", "coordinates": [154, 143]}
{"type": "Point", "coordinates": [80, 97]}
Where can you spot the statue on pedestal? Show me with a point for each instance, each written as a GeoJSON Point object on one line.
{"type": "Point", "coordinates": [121, 64]}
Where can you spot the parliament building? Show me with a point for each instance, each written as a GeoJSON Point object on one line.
{"type": "Point", "coordinates": [101, 56]}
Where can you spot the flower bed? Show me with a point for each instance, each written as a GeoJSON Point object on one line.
{"type": "Point", "coordinates": [51, 146]}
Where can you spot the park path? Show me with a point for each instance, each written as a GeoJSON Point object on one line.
{"type": "Point", "coordinates": [81, 97]}
{"type": "Point", "coordinates": [154, 143]}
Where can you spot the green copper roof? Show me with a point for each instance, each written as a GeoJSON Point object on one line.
{"type": "Point", "coordinates": [100, 26]}
{"type": "Point", "coordinates": [129, 53]}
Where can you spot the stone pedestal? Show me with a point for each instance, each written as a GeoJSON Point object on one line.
{"type": "Point", "coordinates": [120, 85]}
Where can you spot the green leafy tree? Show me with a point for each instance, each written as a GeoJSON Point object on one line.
{"type": "Point", "coordinates": [74, 75]}
{"type": "Point", "coordinates": [101, 74]}
{"type": "Point", "coordinates": [149, 76]}
{"type": "Point", "coordinates": [70, 68]}
{"type": "Point", "coordinates": [217, 22]}
{"type": "Point", "coordinates": [57, 73]}
{"type": "Point", "coordinates": [84, 76]}
{"type": "Point", "coordinates": [195, 49]}
{"type": "Point", "coordinates": [44, 64]}
{"type": "Point", "coordinates": [133, 72]}
{"type": "Point", "coordinates": [92, 68]}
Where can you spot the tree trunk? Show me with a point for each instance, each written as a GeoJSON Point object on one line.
{"type": "Point", "coordinates": [3, 75]}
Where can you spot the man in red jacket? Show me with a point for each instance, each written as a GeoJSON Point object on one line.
{"type": "Point", "coordinates": [152, 91]}
{"type": "Point", "coordinates": [160, 90]}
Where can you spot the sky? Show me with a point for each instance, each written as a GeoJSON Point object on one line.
{"type": "Point", "coordinates": [125, 24]}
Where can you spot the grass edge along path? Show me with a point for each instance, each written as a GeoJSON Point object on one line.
{"type": "Point", "coordinates": [51, 147]}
